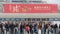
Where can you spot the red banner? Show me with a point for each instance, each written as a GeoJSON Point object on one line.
{"type": "Point", "coordinates": [30, 8]}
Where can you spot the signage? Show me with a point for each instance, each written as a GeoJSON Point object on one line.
{"type": "Point", "coordinates": [30, 8]}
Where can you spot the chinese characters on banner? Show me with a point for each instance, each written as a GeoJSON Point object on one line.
{"type": "Point", "coordinates": [30, 8]}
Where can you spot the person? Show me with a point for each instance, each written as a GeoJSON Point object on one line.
{"type": "Point", "coordinates": [1, 27]}
{"type": "Point", "coordinates": [27, 28]}
{"type": "Point", "coordinates": [55, 28]}
{"type": "Point", "coordinates": [11, 28]}
{"type": "Point", "coordinates": [52, 29]}
{"type": "Point", "coordinates": [59, 29]}
{"type": "Point", "coordinates": [21, 28]}
{"type": "Point", "coordinates": [49, 29]}
{"type": "Point", "coordinates": [7, 27]}
{"type": "Point", "coordinates": [16, 28]}
{"type": "Point", "coordinates": [45, 27]}
{"type": "Point", "coordinates": [35, 28]}
{"type": "Point", "coordinates": [39, 28]}
{"type": "Point", "coordinates": [31, 27]}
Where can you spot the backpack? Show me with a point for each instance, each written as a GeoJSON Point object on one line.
{"type": "Point", "coordinates": [27, 28]}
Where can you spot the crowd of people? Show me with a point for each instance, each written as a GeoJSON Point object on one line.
{"type": "Point", "coordinates": [29, 28]}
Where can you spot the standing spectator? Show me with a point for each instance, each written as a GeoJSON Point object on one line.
{"type": "Point", "coordinates": [31, 30]}
{"type": "Point", "coordinates": [55, 28]}
{"type": "Point", "coordinates": [21, 28]}
{"type": "Point", "coordinates": [11, 28]}
{"type": "Point", "coordinates": [52, 29]}
{"type": "Point", "coordinates": [27, 28]}
{"type": "Point", "coordinates": [39, 28]}
{"type": "Point", "coordinates": [2, 31]}
{"type": "Point", "coordinates": [7, 27]}
{"type": "Point", "coordinates": [59, 29]}
{"type": "Point", "coordinates": [49, 29]}
{"type": "Point", "coordinates": [45, 27]}
{"type": "Point", "coordinates": [35, 28]}
{"type": "Point", "coordinates": [16, 28]}
{"type": "Point", "coordinates": [1, 26]}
